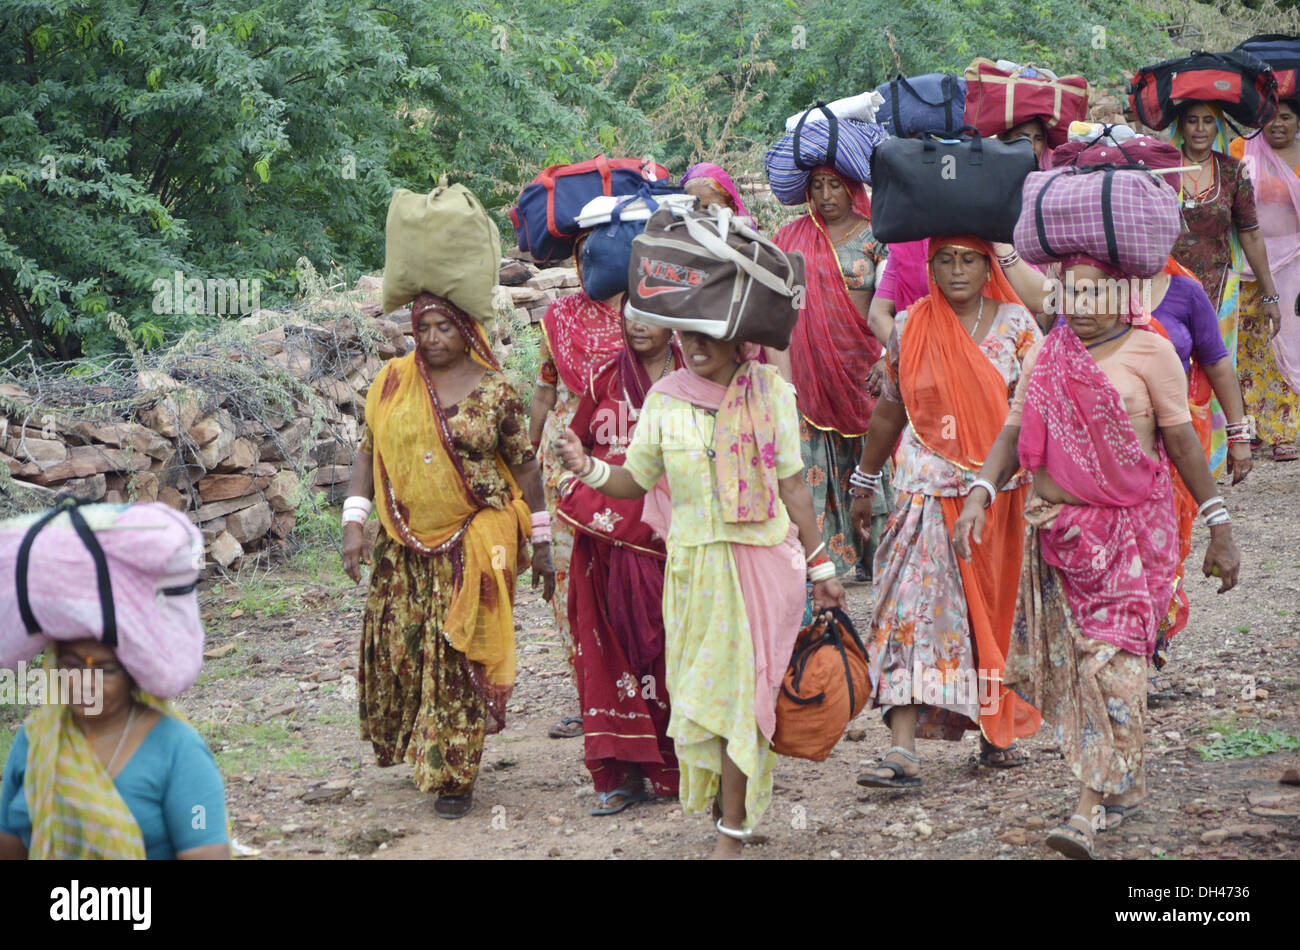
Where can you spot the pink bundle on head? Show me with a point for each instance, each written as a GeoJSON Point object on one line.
{"type": "Point", "coordinates": [124, 575]}
{"type": "Point", "coordinates": [717, 175]}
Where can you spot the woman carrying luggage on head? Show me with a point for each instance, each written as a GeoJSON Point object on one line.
{"type": "Point", "coordinates": [1268, 358]}
{"type": "Point", "coordinates": [832, 354]}
{"type": "Point", "coordinates": [954, 357]}
{"type": "Point", "coordinates": [1099, 411]}
{"type": "Point", "coordinates": [616, 588]}
{"type": "Point", "coordinates": [1222, 227]}
{"type": "Point", "coordinates": [735, 575]}
{"type": "Point", "coordinates": [444, 455]}
{"type": "Point", "coordinates": [579, 335]}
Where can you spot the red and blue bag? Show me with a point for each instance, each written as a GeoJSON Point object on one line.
{"type": "Point", "coordinates": [545, 216]}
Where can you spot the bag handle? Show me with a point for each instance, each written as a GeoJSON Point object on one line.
{"type": "Point", "coordinates": [644, 193]}
{"type": "Point", "coordinates": [1038, 217]}
{"type": "Point", "coordinates": [105, 585]}
{"type": "Point", "coordinates": [723, 251]}
{"type": "Point", "coordinates": [930, 148]}
{"type": "Point", "coordinates": [832, 137]}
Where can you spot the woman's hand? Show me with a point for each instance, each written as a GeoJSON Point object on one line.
{"type": "Point", "coordinates": [570, 452]}
{"type": "Point", "coordinates": [1221, 558]}
{"type": "Point", "coordinates": [1274, 315]}
{"type": "Point", "coordinates": [544, 569]}
{"type": "Point", "coordinates": [827, 594]}
{"type": "Point", "coordinates": [860, 515]}
{"type": "Point", "coordinates": [876, 378]}
{"type": "Point", "coordinates": [1240, 461]}
{"type": "Point", "coordinates": [970, 523]}
{"type": "Point", "coordinates": [354, 550]}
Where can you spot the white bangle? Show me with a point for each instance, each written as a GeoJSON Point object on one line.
{"type": "Point", "coordinates": [816, 551]}
{"type": "Point", "coordinates": [354, 516]}
{"type": "Point", "coordinates": [1218, 517]}
{"type": "Point", "coordinates": [987, 485]}
{"type": "Point", "coordinates": [822, 572]}
{"type": "Point", "coordinates": [1208, 504]}
{"type": "Point", "coordinates": [358, 501]}
{"type": "Point", "coordinates": [598, 475]}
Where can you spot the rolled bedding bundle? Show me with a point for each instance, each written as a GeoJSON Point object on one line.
{"type": "Point", "coordinates": [820, 138]}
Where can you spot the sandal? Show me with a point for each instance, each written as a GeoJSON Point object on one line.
{"type": "Point", "coordinates": [628, 798]}
{"type": "Point", "coordinates": [453, 806]}
{"type": "Point", "coordinates": [1282, 452]}
{"type": "Point", "coordinates": [1118, 814]}
{"type": "Point", "coordinates": [1071, 842]}
{"type": "Point", "coordinates": [570, 727]}
{"type": "Point", "coordinates": [994, 758]}
{"type": "Point", "coordinates": [900, 779]}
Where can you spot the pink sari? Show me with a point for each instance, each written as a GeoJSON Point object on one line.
{"type": "Point", "coordinates": [1277, 203]}
{"type": "Point", "coordinates": [1118, 552]}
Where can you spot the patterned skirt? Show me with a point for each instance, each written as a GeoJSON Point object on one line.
{"type": "Point", "coordinates": [1093, 693]}
{"type": "Point", "coordinates": [921, 651]}
{"type": "Point", "coordinates": [1275, 406]}
{"type": "Point", "coordinates": [417, 700]}
{"type": "Point", "coordinates": [828, 460]}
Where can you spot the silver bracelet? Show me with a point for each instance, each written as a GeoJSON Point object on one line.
{"type": "Point", "coordinates": [864, 480]}
{"type": "Point", "coordinates": [1218, 517]}
{"type": "Point", "coordinates": [988, 486]}
{"type": "Point", "coordinates": [1271, 298]}
{"type": "Point", "coordinates": [1208, 504]}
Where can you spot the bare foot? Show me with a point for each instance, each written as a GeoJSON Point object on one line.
{"type": "Point", "coordinates": [727, 849]}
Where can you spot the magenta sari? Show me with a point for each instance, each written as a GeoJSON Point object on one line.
{"type": "Point", "coordinates": [1118, 552]}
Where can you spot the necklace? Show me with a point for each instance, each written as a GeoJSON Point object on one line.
{"type": "Point", "coordinates": [126, 731]}
{"type": "Point", "coordinates": [708, 443]}
{"type": "Point", "coordinates": [1110, 339]}
{"type": "Point", "coordinates": [978, 320]}
{"type": "Point", "coordinates": [1209, 192]}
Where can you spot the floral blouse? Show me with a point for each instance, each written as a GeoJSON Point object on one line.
{"type": "Point", "coordinates": [859, 258]}
{"type": "Point", "coordinates": [490, 421]}
{"type": "Point", "coordinates": [920, 470]}
{"type": "Point", "coordinates": [1204, 248]}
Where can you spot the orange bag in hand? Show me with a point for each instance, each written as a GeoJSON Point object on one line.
{"type": "Point", "coordinates": [826, 685]}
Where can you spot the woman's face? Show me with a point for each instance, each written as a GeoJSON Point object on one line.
{"type": "Point", "coordinates": [1198, 127]}
{"type": "Point", "coordinates": [1281, 131]}
{"type": "Point", "coordinates": [709, 194]}
{"type": "Point", "coordinates": [440, 342]}
{"type": "Point", "coordinates": [645, 340]}
{"type": "Point", "coordinates": [829, 196]}
{"type": "Point", "coordinates": [1032, 130]}
{"type": "Point", "coordinates": [960, 273]}
{"type": "Point", "coordinates": [114, 686]}
{"type": "Point", "coordinates": [1094, 298]}
{"type": "Point", "coordinates": [710, 358]}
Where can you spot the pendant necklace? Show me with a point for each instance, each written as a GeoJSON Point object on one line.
{"type": "Point", "coordinates": [974, 334]}
{"type": "Point", "coordinates": [126, 730]}
{"type": "Point", "coordinates": [708, 448]}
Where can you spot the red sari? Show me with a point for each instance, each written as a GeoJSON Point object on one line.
{"type": "Point", "coordinates": [616, 581]}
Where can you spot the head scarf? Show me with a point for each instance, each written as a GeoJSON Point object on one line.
{"type": "Point", "coordinates": [831, 350]}
{"type": "Point", "coordinates": [956, 399]}
{"type": "Point", "coordinates": [717, 176]}
{"type": "Point", "coordinates": [470, 330]}
{"type": "Point", "coordinates": [582, 335]}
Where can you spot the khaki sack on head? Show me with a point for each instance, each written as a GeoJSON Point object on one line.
{"type": "Point", "coordinates": [441, 243]}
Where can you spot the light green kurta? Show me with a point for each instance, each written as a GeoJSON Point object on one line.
{"type": "Point", "coordinates": [709, 646]}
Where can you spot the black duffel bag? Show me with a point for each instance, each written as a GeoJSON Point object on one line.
{"type": "Point", "coordinates": [932, 187]}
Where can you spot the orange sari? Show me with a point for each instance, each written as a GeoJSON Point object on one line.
{"type": "Point", "coordinates": [956, 402]}
{"type": "Point", "coordinates": [425, 503]}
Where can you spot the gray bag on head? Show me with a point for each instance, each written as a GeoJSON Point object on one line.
{"type": "Point", "coordinates": [711, 272]}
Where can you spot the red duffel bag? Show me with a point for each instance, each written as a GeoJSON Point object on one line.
{"type": "Point", "coordinates": [1122, 215]}
{"type": "Point", "coordinates": [1240, 84]}
{"type": "Point", "coordinates": [997, 100]}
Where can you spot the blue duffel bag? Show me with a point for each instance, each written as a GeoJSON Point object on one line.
{"type": "Point", "coordinates": [607, 252]}
{"type": "Point", "coordinates": [545, 214]}
{"type": "Point", "coordinates": [931, 102]}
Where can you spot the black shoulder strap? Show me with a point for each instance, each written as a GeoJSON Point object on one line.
{"type": "Point", "coordinates": [87, 537]}
{"type": "Point", "coordinates": [1038, 217]}
{"type": "Point", "coordinates": [1107, 217]}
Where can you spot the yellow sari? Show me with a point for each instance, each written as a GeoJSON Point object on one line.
{"type": "Point", "coordinates": [425, 503]}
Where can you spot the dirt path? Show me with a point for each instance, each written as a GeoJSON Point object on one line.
{"type": "Point", "coordinates": [280, 712]}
